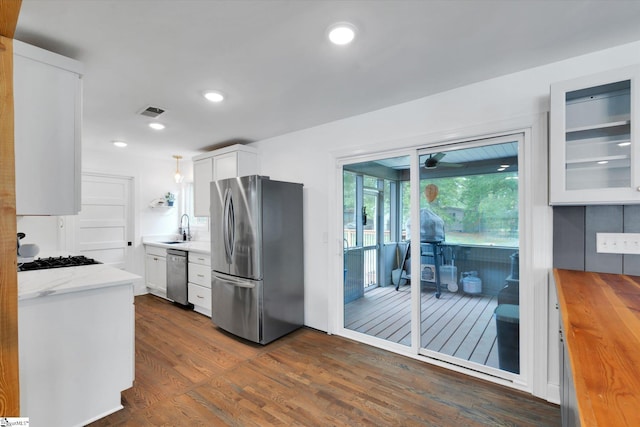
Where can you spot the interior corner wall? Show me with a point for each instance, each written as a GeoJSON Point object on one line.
{"type": "Point", "coordinates": [574, 238]}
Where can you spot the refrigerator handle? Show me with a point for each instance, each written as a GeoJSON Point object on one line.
{"type": "Point", "coordinates": [228, 224]}
{"type": "Point", "coordinates": [240, 283]}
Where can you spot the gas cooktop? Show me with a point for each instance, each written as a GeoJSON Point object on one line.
{"type": "Point", "coordinates": [57, 262]}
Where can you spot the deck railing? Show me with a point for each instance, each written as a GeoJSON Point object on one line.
{"type": "Point", "coordinates": [369, 260]}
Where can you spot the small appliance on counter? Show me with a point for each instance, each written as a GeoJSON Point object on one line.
{"type": "Point", "coordinates": [257, 277]}
{"type": "Point", "coordinates": [26, 252]}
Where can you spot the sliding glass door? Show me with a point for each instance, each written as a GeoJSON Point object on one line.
{"type": "Point", "coordinates": [469, 280]}
{"type": "Point", "coordinates": [376, 295]}
{"type": "Point", "coordinates": [452, 279]}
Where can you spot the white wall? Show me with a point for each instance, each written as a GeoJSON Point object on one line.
{"type": "Point", "coordinates": [152, 178]}
{"type": "Point", "coordinates": [308, 156]}
{"type": "Point", "coordinates": [41, 230]}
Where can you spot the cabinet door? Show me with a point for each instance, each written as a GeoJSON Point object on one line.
{"type": "Point", "coordinates": [247, 164]}
{"type": "Point", "coordinates": [237, 163]}
{"type": "Point", "coordinates": [594, 139]}
{"type": "Point", "coordinates": [47, 136]}
{"type": "Point", "coordinates": [202, 177]}
{"type": "Point", "coordinates": [156, 273]}
{"type": "Point", "coordinates": [232, 162]}
{"type": "Point", "coordinates": [225, 166]}
{"type": "Point", "coordinates": [200, 297]}
{"type": "Point", "coordinates": [200, 274]}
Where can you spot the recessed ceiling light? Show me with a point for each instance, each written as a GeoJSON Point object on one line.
{"type": "Point", "coordinates": [214, 96]}
{"type": "Point", "coordinates": [603, 162]}
{"type": "Point", "coordinates": [504, 166]}
{"type": "Point", "coordinates": [156, 125]}
{"type": "Point", "coordinates": [501, 169]}
{"type": "Point", "coordinates": [342, 33]}
{"type": "Point", "coordinates": [120, 144]}
{"type": "Point", "coordinates": [624, 144]}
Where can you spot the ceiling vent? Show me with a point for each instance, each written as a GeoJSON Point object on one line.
{"type": "Point", "coordinates": [152, 112]}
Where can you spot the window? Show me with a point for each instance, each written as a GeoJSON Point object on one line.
{"type": "Point", "coordinates": [197, 224]}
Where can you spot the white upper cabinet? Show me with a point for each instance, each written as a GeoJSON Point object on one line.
{"type": "Point", "coordinates": [594, 149]}
{"type": "Point", "coordinates": [229, 162]}
{"type": "Point", "coordinates": [47, 103]}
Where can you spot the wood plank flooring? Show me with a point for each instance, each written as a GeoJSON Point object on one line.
{"type": "Point", "coordinates": [189, 373]}
{"type": "Point", "coordinates": [456, 324]}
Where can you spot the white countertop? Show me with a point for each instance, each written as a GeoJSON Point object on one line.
{"type": "Point", "coordinates": [191, 246]}
{"type": "Point", "coordinates": [39, 283]}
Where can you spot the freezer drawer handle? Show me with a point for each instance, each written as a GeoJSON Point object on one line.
{"type": "Point", "coordinates": [236, 282]}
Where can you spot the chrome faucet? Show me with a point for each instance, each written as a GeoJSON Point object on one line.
{"type": "Point", "coordinates": [186, 234]}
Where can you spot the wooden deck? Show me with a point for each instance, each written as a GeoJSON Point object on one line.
{"type": "Point", "coordinates": [457, 324]}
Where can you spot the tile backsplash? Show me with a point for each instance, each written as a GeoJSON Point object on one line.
{"type": "Point", "coordinates": [574, 237]}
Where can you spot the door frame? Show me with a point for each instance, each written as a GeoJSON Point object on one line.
{"type": "Point", "coordinates": [537, 376]}
{"type": "Point", "coordinates": [69, 225]}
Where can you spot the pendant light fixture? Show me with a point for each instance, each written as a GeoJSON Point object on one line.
{"type": "Point", "coordinates": [178, 176]}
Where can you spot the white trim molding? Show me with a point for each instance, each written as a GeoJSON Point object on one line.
{"type": "Point", "coordinates": [535, 237]}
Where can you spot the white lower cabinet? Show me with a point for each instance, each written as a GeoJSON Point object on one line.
{"type": "Point", "coordinates": [76, 355]}
{"type": "Point", "coordinates": [155, 269]}
{"type": "Point", "coordinates": [199, 287]}
{"type": "Point", "coordinates": [200, 297]}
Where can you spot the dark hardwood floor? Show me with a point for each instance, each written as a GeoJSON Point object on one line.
{"type": "Point", "coordinates": [189, 373]}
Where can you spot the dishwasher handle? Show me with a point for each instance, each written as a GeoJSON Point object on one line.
{"type": "Point", "coordinates": [177, 252]}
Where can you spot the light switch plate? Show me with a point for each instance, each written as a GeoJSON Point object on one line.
{"type": "Point", "coordinates": [618, 243]}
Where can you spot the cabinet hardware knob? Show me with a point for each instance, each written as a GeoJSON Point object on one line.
{"type": "Point", "coordinates": [200, 275]}
{"type": "Point", "coordinates": [201, 297]}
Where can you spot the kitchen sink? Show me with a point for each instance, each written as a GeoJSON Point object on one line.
{"type": "Point", "coordinates": [173, 242]}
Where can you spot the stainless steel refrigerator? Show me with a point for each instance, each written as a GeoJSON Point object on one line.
{"type": "Point", "coordinates": [257, 277]}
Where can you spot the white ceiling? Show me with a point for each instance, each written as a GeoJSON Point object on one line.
{"type": "Point", "coordinates": [280, 74]}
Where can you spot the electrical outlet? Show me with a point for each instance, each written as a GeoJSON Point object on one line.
{"type": "Point", "coordinates": [618, 243]}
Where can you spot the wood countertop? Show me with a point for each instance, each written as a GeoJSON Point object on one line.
{"type": "Point", "coordinates": [601, 321]}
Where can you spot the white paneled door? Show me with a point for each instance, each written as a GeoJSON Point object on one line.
{"type": "Point", "coordinates": [104, 227]}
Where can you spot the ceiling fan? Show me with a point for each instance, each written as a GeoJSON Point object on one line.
{"type": "Point", "coordinates": [434, 161]}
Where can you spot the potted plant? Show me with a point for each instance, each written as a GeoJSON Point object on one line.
{"type": "Point", "coordinates": [170, 197]}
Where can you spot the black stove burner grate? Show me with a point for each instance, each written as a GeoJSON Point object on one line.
{"type": "Point", "coordinates": [57, 262]}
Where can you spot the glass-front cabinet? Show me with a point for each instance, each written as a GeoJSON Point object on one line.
{"type": "Point", "coordinates": [594, 139]}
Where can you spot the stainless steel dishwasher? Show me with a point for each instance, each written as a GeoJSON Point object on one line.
{"type": "Point", "coordinates": [177, 276]}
